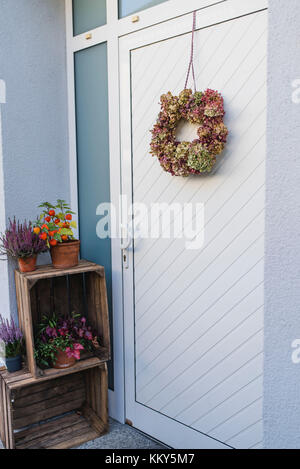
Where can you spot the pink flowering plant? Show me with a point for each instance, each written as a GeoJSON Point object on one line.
{"type": "Point", "coordinates": [205, 109]}
{"type": "Point", "coordinates": [20, 241]}
{"type": "Point", "coordinates": [71, 335]}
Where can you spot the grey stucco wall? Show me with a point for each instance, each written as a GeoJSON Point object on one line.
{"type": "Point", "coordinates": [282, 264]}
{"type": "Point", "coordinates": [34, 118]}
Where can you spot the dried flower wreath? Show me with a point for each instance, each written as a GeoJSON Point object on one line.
{"type": "Point", "coordinates": [204, 109]}
{"type": "Point", "coordinates": [199, 156]}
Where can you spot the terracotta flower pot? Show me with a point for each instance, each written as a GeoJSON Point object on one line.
{"type": "Point", "coordinates": [27, 264]}
{"type": "Point", "coordinates": [63, 361]}
{"type": "Point", "coordinates": [65, 255]}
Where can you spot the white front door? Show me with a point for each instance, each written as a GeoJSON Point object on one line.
{"type": "Point", "coordinates": [194, 319]}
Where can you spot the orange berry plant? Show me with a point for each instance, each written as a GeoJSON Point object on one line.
{"type": "Point", "coordinates": [55, 224]}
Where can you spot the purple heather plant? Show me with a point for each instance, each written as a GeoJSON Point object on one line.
{"type": "Point", "coordinates": [20, 241]}
{"type": "Point", "coordinates": [11, 336]}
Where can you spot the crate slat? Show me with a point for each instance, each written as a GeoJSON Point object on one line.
{"type": "Point", "coordinates": [42, 429]}
{"type": "Point", "coordinates": [46, 404]}
{"type": "Point", "coordinates": [50, 374]}
{"type": "Point", "coordinates": [66, 432]}
{"type": "Point", "coordinates": [32, 393]}
{"type": "Point", "coordinates": [7, 424]}
{"type": "Point", "coordinates": [48, 271]}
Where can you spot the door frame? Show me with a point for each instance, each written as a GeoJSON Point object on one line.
{"type": "Point", "coordinates": [113, 32]}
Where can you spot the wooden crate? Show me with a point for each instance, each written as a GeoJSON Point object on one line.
{"type": "Point", "coordinates": [56, 413]}
{"type": "Point", "coordinates": [81, 289]}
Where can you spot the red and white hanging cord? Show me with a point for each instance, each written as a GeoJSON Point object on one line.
{"type": "Point", "coordinates": [191, 64]}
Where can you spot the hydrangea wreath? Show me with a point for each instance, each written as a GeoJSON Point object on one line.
{"type": "Point", "coordinates": [199, 156]}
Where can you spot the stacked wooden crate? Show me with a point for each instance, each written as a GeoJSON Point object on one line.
{"type": "Point", "coordinates": [58, 408]}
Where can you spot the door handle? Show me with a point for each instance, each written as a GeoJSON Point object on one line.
{"type": "Point", "coordinates": [125, 244]}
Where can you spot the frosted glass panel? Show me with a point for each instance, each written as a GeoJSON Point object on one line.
{"type": "Point", "coordinates": [91, 84]}
{"type": "Point", "coordinates": [88, 14]}
{"type": "Point", "coordinates": [127, 7]}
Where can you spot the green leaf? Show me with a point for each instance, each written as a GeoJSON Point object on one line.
{"type": "Point", "coordinates": [73, 224]}
{"type": "Point", "coordinates": [66, 231]}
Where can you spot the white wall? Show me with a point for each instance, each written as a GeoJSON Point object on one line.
{"type": "Point", "coordinates": [282, 262]}
{"type": "Point", "coordinates": [34, 119]}
{"type": "Point", "coordinates": [5, 306]}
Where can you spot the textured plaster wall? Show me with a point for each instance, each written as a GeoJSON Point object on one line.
{"type": "Point", "coordinates": [34, 118]}
{"type": "Point", "coordinates": [282, 268]}
{"type": "Point", "coordinates": [5, 297]}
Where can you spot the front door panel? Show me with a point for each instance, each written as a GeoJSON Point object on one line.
{"type": "Point", "coordinates": [194, 319]}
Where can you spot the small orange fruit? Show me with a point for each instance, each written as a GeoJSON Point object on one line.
{"type": "Point", "coordinates": [64, 237]}
{"type": "Point", "coordinates": [57, 221]}
{"type": "Point", "coordinates": [68, 216]}
{"type": "Point", "coordinates": [52, 213]}
{"type": "Point", "coordinates": [53, 242]}
{"type": "Point", "coordinates": [43, 236]}
{"type": "Point", "coordinates": [37, 230]}
{"type": "Point", "coordinates": [48, 219]}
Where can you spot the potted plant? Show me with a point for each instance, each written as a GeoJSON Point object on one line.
{"type": "Point", "coordinates": [21, 242]}
{"type": "Point", "coordinates": [12, 339]}
{"type": "Point", "coordinates": [59, 341]}
{"type": "Point", "coordinates": [55, 226]}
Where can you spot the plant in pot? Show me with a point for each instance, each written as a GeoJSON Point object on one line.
{"type": "Point", "coordinates": [60, 340]}
{"type": "Point", "coordinates": [22, 243]}
{"type": "Point", "coordinates": [12, 339]}
{"type": "Point", "coordinates": [55, 226]}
